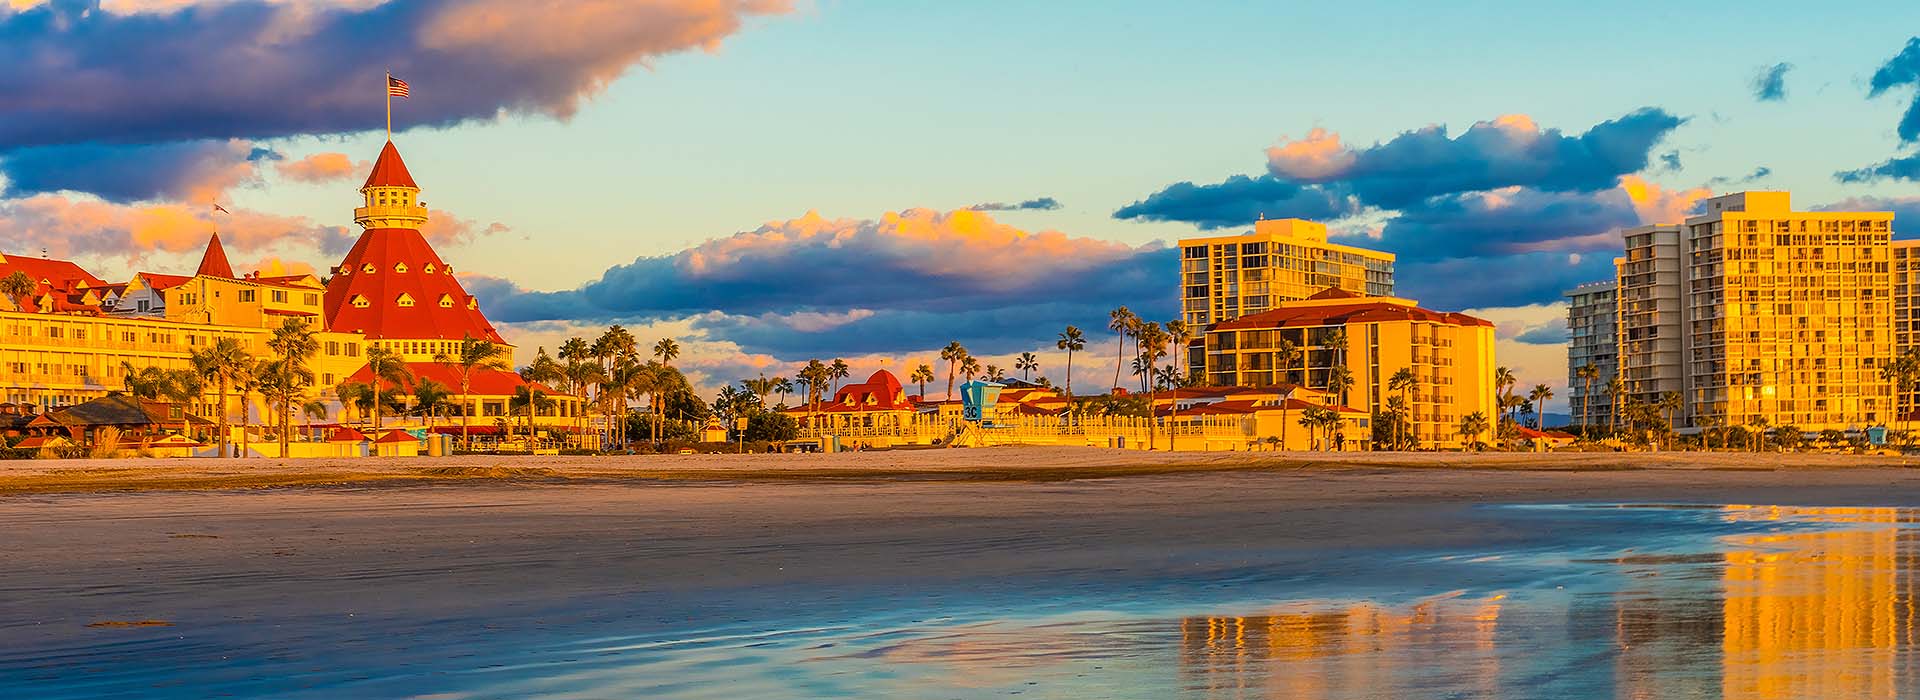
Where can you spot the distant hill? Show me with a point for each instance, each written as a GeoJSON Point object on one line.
{"type": "Point", "coordinates": [1556, 420]}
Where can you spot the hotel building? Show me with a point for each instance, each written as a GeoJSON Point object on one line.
{"type": "Point", "coordinates": [1906, 313]}
{"type": "Point", "coordinates": [73, 337]}
{"type": "Point", "coordinates": [1754, 312]}
{"type": "Point", "coordinates": [1592, 338]}
{"type": "Point", "coordinates": [1225, 277]}
{"type": "Point", "coordinates": [1451, 356]}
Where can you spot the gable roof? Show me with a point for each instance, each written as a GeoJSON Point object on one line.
{"type": "Point", "coordinates": [112, 409]}
{"type": "Point", "coordinates": [1361, 310]}
{"type": "Point", "coordinates": [484, 382]}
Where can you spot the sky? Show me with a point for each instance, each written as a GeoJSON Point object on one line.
{"type": "Point", "coordinates": [772, 181]}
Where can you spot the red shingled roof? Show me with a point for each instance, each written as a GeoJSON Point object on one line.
{"type": "Point", "coordinates": [389, 170]}
{"type": "Point", "coordinates": [1360, 311]}
{"type": "Point", "coordinates": [396, 436]}
{"type": "Point", "coordinates": [159, 281]}
{"type": "Point", "coordinates": [58, 274]}
{"type": "Point", "coordinates": [485, 382]}
{"type": "Point", "coordinates": [214, 263]}
{"type": "Point", "coordinates": [371, 272]}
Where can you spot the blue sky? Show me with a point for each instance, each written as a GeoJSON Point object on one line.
{"type": "Point", "coordinates": [857, 109]}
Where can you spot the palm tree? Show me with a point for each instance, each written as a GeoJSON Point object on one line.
{"type": "Point", "coordinates": [1904, 372]}
{"type": "Point", "coordinates": [1396, 412]}
{"type": "Point", "coordinates": [1322, 421]}
{"type": "Point", "coordinates": [182, 387]}
{"type": "Point", "coordinates": [840, 371]}
{"type": "Point", "coordinates": [922, 375]}
{"type": "Point", "coordinates": [1122, 322]}
{"type": "Point", "coordinates": [1616, 393]}
{"type": "Point", "coordinates": [1539, 396]}
{"type": "Point", "coordinates": [245, 386]}
{"type": "Point", "coordinates": [18, 288]}
{"type": "Point", "coordinates": [471, 355]}
{"type": "Point", "coordinates": [543, 370]}
{"type": "Point", "coordinates": [1026, 363]}
{"type": "Point", "coordinates": [784, 386]}
{"type": "Point", "coordinates": [1471, 426]}
{"type": "Point", "coordinates": [225, 363]}
{"type": "Point", "coordinates": [353, 395]}
{"type": "Point", "coordinates": [1759, 424]}
{"type": "Point", "coordinates": [1503, 381]}
{"type": "Point", "coordinates": [1402, 381]}
{"type": "Point", "coordinates": [294, 342]}
{"type": "Point", "coordinates": [1072, 341]}
{"type": "Point", "coordinates": [1587, 373]}
{"type": "Point", "coordinates": [994, 373]}
{"type": "Point", "coordinates": [529, 399]}
{"type": "Point", "coordinates": [1285, 353]}
{"type": "Point", "coordinates": [952, 354]}
{"type": "Point", "coordinates": [1151, 339]}
{"type": "Point", "coordinates": [666, 350]}
{"type": "Point", "coordinates": [1670, 403]}
{"type": "Point", "coordinates": [429, 397]}
{"type": "Point", "coordinates": [616, 345]}
{"type": "Point", "coordinates": [386, 367]}
{"type": "Point", "coordinates": [969, 366]}
{"type": "Point", "coordinates": [814, 377]}
{"type": "Point", "coordinates": [1339, 382]}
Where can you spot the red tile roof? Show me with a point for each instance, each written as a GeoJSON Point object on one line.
{"type": "Point", "coordinates": [1361, 310]}
{"type": "Point", "coordinates": [485, 382]}
{"type": "Point", "coordinates": [157, 281]}
{"type": "Point", "coordinates": [214, 263]}
{"type": "Point", "coordinates": [426, 281]}
{"type": "Point", "coordinates": [389, 170]}
{"type": "Point", "coordinates": [57, 274]}
{"type": "Point", "coordinates": [394, 436]}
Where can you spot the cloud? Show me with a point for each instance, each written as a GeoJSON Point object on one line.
{"type": "Point", "coordinates": [1770, 84]}
{"type": "Point", "coordinates": [1501, 280]}
{"type": "Point", "coordinates": [1902, 70]}
{"type": "Point", "coordinates": [903, 281]}
{"type": "Point", "coordinates": [1320, 178]}
{"type": "Point", "coordinates": [1553, 333]}
{"type": "Point", "coordinates": [322, 168]}
{"type": "Point", "coordinates": [1899, 168]}
{"type": "Point", "coordinates": [1759, 173]}
{"type": "Point", "coordinates": [1039, 204]}
{"type": "Point", "coordinates": [72, 74]}
{"type": "Point", "coordinates": [1508, 151]}
{"type": "Point", "coordinates": [192, 171]}
{"type": "Point", "coordinates": [1240, 200]}
{"type": "Point", "coordinates": [1516, 220]}
{"type": "Point", "coordinates": [71, 226]}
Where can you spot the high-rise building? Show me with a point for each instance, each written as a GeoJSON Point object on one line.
{"type": "Point", "coordinates": [1650, 344]}
{"type": "Point", "coordinates": [1592, 318]}
{"type": "Point", "coordinates": [1450, 356]}
{"type": "Point", "coordinates": [1906, 315]}
{"type": "Point", "coordinates": [1788, 315]}
{"type": "Point", "coordinates": [1225, 277]}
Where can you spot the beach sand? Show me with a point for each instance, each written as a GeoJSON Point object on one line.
{"type": "Point", "coordinates": [383, 539]}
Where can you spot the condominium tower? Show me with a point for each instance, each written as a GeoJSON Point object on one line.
{"type": "Point", "coordinates": [1225, 277]}
{"type": "Point", "coordinates": [1755, 314]}
{"type": "Point", "coordinates": [1592, 318]}
{"type": "Point", "coordinates": [1906, 313]}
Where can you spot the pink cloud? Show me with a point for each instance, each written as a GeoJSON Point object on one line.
{"type": "Point", "coordinates": [320, 168]}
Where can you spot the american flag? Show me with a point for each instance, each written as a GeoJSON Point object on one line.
{"type": "Point", "coordinates": [396, 87]}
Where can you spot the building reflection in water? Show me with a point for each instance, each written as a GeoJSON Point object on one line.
{"type": "Point", "coordinates": [1820, 613]}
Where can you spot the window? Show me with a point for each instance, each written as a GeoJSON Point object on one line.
{"type": "Point", "coordinates": [429, 269]}
{"type": "Point", "coordinates": [367, 267]}
{"type": "Point", "coordinates": [55, 331]}
{"type": "Point", "coordinates": [279, 296]}
{"type": "Point", "coordinates": [310, 300]}
{"type": "Point", "coordinates": [446, 301]}
{"type": "Point", "coordinates": [360, 301]}
{"type": "Point", "coordinates": [400, 267]}
{"type": "Point", "coordinates": [405, 300]}
{"type": "Point", "coordinates": [246, 295]}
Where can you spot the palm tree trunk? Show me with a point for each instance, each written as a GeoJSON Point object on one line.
{"type": "Point", "coordinates": [1069, 374]}
{"type": "Point", "coordinates": [223, 416]}
{"type": "Point", "coordinates": [466, 391]}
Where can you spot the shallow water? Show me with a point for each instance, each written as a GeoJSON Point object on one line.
{"type": "Point", "coordinates": [1641, 601]}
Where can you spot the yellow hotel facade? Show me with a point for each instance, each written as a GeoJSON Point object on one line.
{"type": "Point", "coordinates": [1225, 277]}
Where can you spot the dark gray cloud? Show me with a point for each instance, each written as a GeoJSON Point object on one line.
{"type": "Point", "coordinates": [1320, 179]}
{"type": "Point", "coordinates": [896, 282]}
{"type": "Point", "coordinates": [1551, 333]}
{"type": "Point", "coordinates": [1492, 224]}
{"type": "Point", "coordinates": [1770, 84]}
{"type": "Point", "coordinates": [1037, 204]}
{"type": "Point", "coordinates": [1898, 168]}
{"type": "Point", "coordinates": [1238, 201]}
{"type": "Point", "coordinates": [185, 170]}
{"type": "Point", "coordinates": [1495, 281]}
{"type": "Point", "coordinates": [1759, 173]}
{"type": "Point", "coordinates": [72, 72]}
{"type": "Point", "coordinates": [1902, 70]}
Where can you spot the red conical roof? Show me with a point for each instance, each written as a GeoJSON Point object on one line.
{"type": "Point", "coordinates": [389, 170]}
{"type": "Point", "coordinates": [365, 294]}
{"type": "Point", "coordinates": [214, 262]}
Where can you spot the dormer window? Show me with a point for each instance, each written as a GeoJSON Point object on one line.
{"type": "Point", "coordinates": [360, 301]}
{"type": "Point", "coordinates": [368, 268]}
{"type": "Point", "coordinates": [405, 300]}
{"type": "Point", "coordinates": [473, 303]}
{"type": "Point", "coordinates": [429, 269]}
{"type": "Point", "coordinates": [400, 267]}
{"type": "Point", "coordinates": [446, 301]}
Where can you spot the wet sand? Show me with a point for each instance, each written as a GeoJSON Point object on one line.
{"type": "Point", "coordinates": [991, 464]}
{"type": "Point", "coordinates": [74, 559]}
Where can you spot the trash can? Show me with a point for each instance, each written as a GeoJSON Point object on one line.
{"type": "Point", "coordinates": [437, 445]}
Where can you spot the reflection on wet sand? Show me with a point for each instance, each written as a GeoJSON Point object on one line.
{"type": "Point", "coordinates": [1825, 613]}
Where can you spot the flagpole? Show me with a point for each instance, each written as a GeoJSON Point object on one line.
{"type": "Point", "coordinates": [387, 87]}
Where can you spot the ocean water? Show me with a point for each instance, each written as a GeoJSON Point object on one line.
{"type": "Point", "coordinates": [1623, 600]}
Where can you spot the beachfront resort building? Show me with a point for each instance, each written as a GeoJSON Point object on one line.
{"type": "Point", "coordinates": [1280, 260]}
{"type": "Point", "coordinates": [1592, 334]}
{"type": "Point", "coordinates": [1755, 314]}
{"type": "Point", "coordinates": [1450, 356]}
{"type": "Point", "coordinates": [1906, 316]}
{"type": "Point", "coordinates": [74, 337]}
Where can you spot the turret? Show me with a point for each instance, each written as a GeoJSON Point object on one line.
{"type": "Point", "coordinates": [393, 200]}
